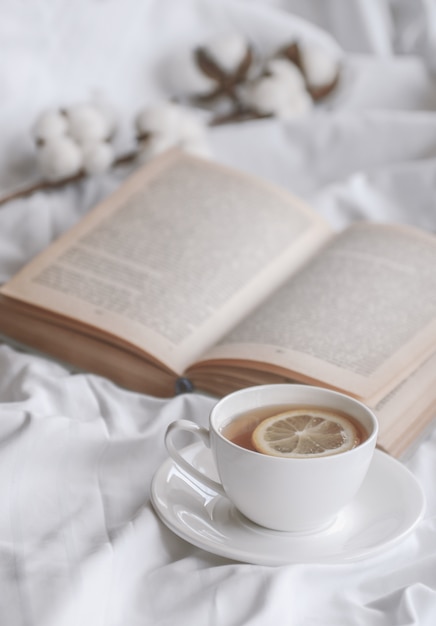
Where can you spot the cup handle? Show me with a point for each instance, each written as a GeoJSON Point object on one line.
{"type": "Point", "coordinates": [181, 462]}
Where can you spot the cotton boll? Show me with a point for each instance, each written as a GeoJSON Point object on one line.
{"type": "Point", "coordinates": [300, 104]}
{"type": "Point", "coordinates": [97, 157]}
{"type": "Point", "coordinates": [278, 95]}
{"type": "Point", "coordinates": [197, 147]}
{"type": "Point", "coordinates": [191, 127]}
{"type": "Point", "coordinates": [162, 118]}
{"type": "Point", "coordinates": [265, 95]}
{"type": "Point", "coordinates": [168, 126]}
{"type": "Point", "coordinates": [319, 66]}
{"type": "Point", "coordinates": [87, 122]}
{"type": "Point", "coordinates": [227, 51]}
{"type": "Point", "coordinates": [283, 68]}
{"type": "Point", "coordinates": [184, 76]}
{"type": "Point", "coordinates": [49, 125]}
{"type": "Point", "coordinates": [153, 146]}
{"type": "Point", "coordinates": [169, 120]}
{"type": "Point", "coordinates": [192, 135]}
{"type": "Point", "coordinates": [59, 158]}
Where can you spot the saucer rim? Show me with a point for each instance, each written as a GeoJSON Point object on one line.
{"type": "Point", "coordinates": [245, 556]}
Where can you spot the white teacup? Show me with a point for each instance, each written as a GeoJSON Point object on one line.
{"type": "Point", "coordinates": [288, 494]}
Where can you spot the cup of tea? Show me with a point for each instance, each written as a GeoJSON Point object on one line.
{"type": "Point", "coordinates": [289, 457]}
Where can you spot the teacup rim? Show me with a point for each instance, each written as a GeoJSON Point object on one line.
{"type": "Point", "coordinates": [370, 441]}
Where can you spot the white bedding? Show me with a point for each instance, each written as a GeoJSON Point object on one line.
{"type": "Point", "coordinates": [79, 540]}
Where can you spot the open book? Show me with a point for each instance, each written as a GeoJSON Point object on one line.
{"type": "Point", "coordinates": [192, 274]}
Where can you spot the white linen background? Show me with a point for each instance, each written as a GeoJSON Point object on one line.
{"type": "Point", "coordinates": [79, 541]}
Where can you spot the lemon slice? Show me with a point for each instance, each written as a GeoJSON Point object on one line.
{"type": "Point", "coordinates": [303, 433]}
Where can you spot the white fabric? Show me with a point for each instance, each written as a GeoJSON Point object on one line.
{"type": "Point", "coordinates": [79, 541]}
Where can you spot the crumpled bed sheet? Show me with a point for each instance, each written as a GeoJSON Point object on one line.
{"type": "Point", "coordinates": [79, 540]}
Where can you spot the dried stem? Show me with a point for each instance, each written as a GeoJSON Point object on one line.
{"type": "Point", "coordinates": [242, 115]}
{"type": "Point", "coordinates": [318, 93]}
{"type": "Point", "coordinates": [40, 185]}
{"type": "Point", "coordinates": [226, 87]}
{"type": "Point", "coordinates": [45, 184]}
{"type": "Point", "coordinates": [226, 83]}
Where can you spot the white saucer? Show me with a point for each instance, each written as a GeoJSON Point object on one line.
{"type": "Point", "coordinates": [389, 504]}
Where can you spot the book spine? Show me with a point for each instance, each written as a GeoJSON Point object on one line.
{"type": "Point", "coordinates": [183, 385]}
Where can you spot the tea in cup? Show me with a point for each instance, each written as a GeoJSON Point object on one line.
{"type": "Point", "coordinates": [289, 457]}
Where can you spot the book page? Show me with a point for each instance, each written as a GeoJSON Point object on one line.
{"type": "Point", "coordinates": [406, 412]}
{"type": "Point", "coordinates": [357, 317]}
{"type": "Point", "coordinates": [174, 258]}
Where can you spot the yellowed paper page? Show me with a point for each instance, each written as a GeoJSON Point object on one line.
{"type": "Point", "coordinates": [175, 258]}
{"type": "Point", "coordinates": [357, 317]}
{"type": "Point", "coordinates": [408, 409]}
